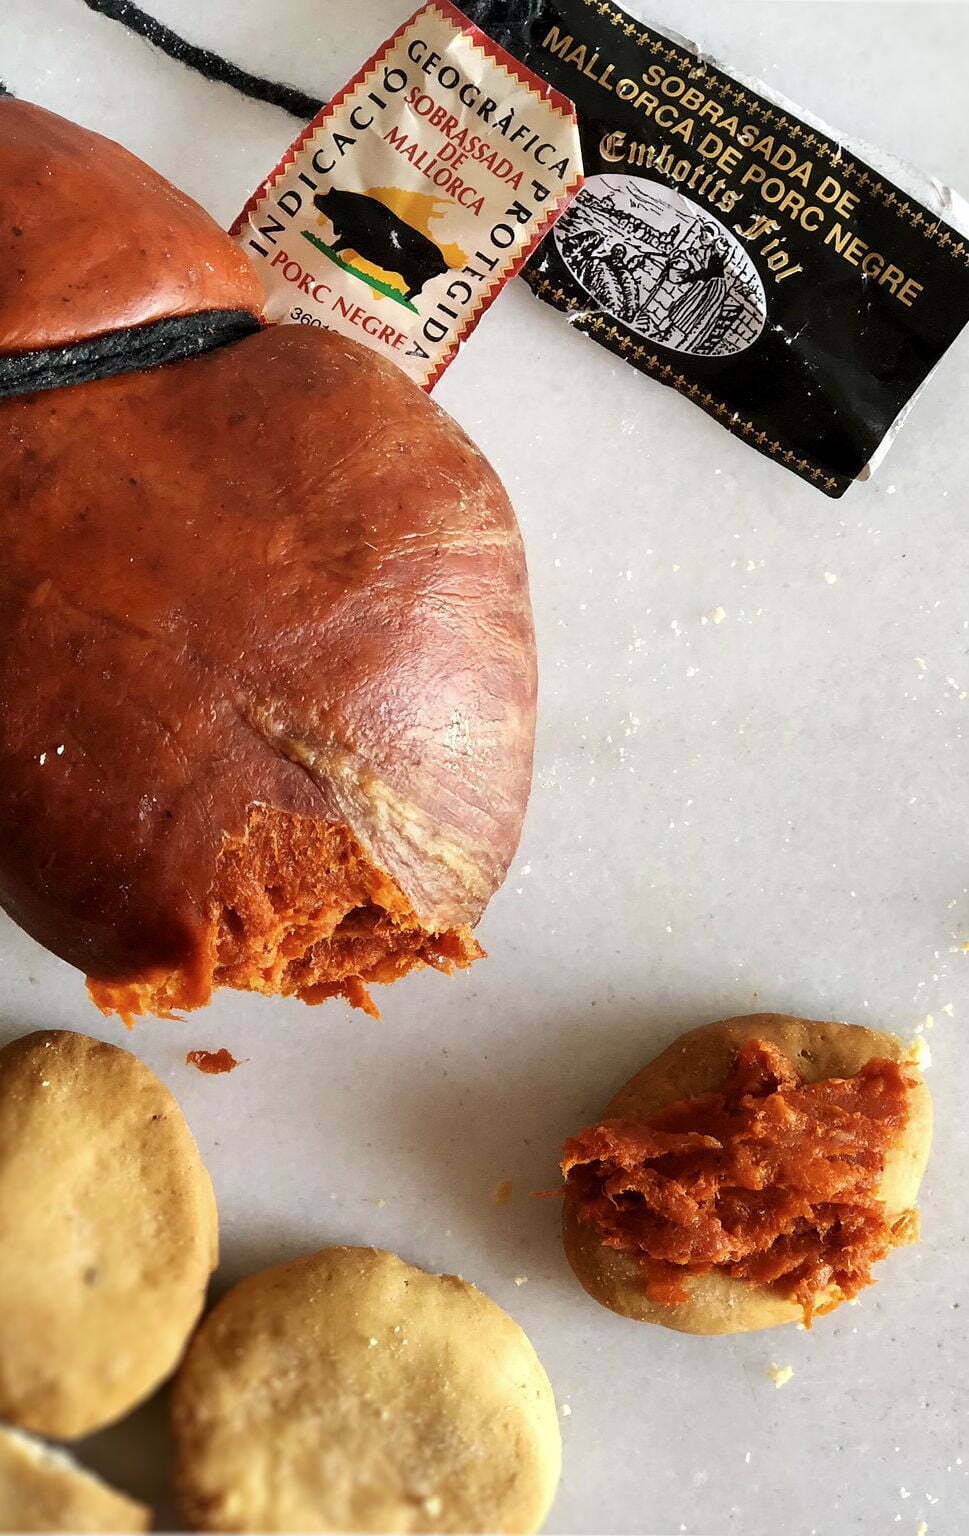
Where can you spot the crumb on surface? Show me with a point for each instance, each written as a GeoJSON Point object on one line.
{"type": "Point", "coordinates": [521, 1279]}
{"type": "Point", "coordinates": [565, 1410]}
{"type": "Point", "coordinates": [780, 1375]}
{"type": "Point", "coordinates": [919, 1054]}
{"type": "Point", "coordinates": [501, 1194]}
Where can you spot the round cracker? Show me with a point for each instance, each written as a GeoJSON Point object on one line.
{"type": "Point", "coordinates": [44, 1490]}
{"type": "Point", "coordinates": [697, 1063]}
{"type": "Point", "coordinates": [348, 1391]}
{"type": "Point", "coordinates": [108, 1233]}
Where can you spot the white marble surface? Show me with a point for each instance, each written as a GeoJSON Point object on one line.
{"type": "Point", "coordinates": [768, 812]}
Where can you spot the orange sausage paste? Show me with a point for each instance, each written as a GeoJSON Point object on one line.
{"type": "Point", "coordinates": [212, 1061]}
{"type": "Point", "coordinates": [771, 1180]}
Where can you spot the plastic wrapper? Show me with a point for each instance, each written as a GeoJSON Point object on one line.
{"type": "Point", "coordinates": [795, 286]}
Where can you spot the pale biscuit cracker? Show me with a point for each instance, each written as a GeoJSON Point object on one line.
{"type": "Point", "coordinates": [109, 1233]}
{"type": "Point", "coordinates": [348, 1391]}
{"type": "Point", "coordinates": [699, 1062]}
{"type": "Point", "coordinates": [44, 1490]}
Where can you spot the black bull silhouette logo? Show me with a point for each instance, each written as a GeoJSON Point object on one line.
{"type": "Point", "coordinates": [373, 231]}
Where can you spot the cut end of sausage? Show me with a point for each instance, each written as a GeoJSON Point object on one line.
{"type": "Point", "coordinates": [298, 910]}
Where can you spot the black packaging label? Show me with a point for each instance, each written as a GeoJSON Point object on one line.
{"type": "Point", "coordinates": [732, 250]}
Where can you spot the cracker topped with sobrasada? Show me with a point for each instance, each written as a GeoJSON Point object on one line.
{"type": "Point", "coordinates": [753, 1174]}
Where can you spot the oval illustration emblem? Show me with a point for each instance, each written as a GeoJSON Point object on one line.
{"type": "Point", "coordinates": [665, 267]}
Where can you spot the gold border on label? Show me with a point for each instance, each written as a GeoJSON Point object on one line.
{"type": "Point", "coordinates": [650, 362]}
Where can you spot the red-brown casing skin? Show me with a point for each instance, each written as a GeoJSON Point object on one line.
{"type": "Point", "coordinates": [277, 574]}
{"type": "Point", "coordinates": [92, 239]}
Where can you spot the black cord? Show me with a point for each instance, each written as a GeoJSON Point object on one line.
{"type": "Point", "coordinates": [134, 349]}
{"type": "Point", "coordinates": [291, 100]}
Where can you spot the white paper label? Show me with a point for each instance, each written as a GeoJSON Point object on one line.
{"type": "Point", "coordinates": [410, 200]}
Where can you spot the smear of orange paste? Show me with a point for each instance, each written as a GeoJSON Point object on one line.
{"type": "Point", "coordinates": [211, 1061]}
{"type": "Point", "coordinates": [772, 1180]}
